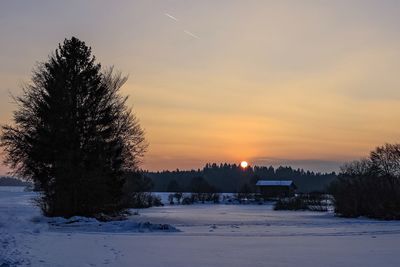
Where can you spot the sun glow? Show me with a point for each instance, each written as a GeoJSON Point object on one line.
{"type": "Point", "coordinates": [244, 164]}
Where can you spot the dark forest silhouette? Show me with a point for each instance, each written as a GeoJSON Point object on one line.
{"type": "Point", "coordinates": [231, 177]}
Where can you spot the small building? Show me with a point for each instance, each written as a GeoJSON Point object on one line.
{"type": "Point", "coordinates": [274, 189]}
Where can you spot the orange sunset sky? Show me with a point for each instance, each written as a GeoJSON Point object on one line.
{"type": "Point", "coordinates": [306, 83]}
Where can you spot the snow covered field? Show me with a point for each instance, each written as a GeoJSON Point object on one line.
{"type": "Point", "coordinates": [198, 235]}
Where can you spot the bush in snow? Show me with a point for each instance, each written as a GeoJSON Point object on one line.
{"type": "Point", "coordinates": [311, 201]}
{"type": "Point", "coordinates": [245, 194]}
{"type": "Point", "coordinates": [200, 197]}
{"type": "Point", "coordinates": [187, 200]}
{"type": "Point", "coordinates": [293, 203]}
{"type": "Point", "coordinates": [178, 196]}
{"type": "Point", "coordinates": [136, 188]}
{"type": "Point", "coordinates": [175, 196]}
{"type": "Point", "coordinates": [205, 197]}
{"type": "Point", "coordinates": [143, 200]}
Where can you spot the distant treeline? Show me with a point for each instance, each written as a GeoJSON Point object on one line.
{"type": "Point", "coordinates": [232, 177]}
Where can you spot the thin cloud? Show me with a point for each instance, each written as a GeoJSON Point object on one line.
{"type": "Point", "coordinates": [191, 34]}
{"type": "Point", "coordinates": [171, 17]}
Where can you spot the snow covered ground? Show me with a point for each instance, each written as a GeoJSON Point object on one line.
{"type": "Point", "coordinates": [191, 236]}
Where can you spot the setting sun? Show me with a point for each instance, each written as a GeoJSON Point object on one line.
{"type": "Point", "coordinates": [244, 164]}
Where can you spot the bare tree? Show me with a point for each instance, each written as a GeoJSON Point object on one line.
{"type": "Point", "coordinates": [370, 187]}
{"type": "Point", "coordinates": [385, 160]}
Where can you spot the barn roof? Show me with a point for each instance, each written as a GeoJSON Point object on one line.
{"type": "Point", "coordinates": [274, 183]}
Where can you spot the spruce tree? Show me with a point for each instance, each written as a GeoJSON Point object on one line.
{"type": "Point", "coordinates": [73, 134]}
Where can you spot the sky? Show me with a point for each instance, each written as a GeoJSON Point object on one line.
{"type": "Point", "coordinates": [310, 84]}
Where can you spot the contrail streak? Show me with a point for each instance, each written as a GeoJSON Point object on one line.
{"type": "Point", "coordinates": [191, 34]}
{"type": "Point", "coordinates": [171, 17]}
{"type": "Point", "coordinates": [185, 31]}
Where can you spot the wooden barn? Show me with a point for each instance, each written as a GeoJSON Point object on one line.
{"type": "Point", "coordinates": [274, 189]}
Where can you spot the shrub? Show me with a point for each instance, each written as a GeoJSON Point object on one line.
{"type": "Point", "coordinates": [143, 200]}
{"type": "Point", "coordinates": [316, 201]}
{"type": "Point", "coordinates": [294, 203]}
{"type": "Point", "coordinates": [171, 199]}
{"type": "Point", "coordinates": [312, 202]}
{"type": "Point", "coordinates": [175, 196]}
{"type": "Point", "coordinates": [178, 196]}
{"type": "Point", "coordinates": [215, 197]}
{"type": "Point", "coordinates": [205, 197]}
{"type": "Point", "coordinates": [200, 197]}
{"type": "Point", "coordinates": [244, 197]}
{"type": "Point", "coordinates": [187, 200]}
